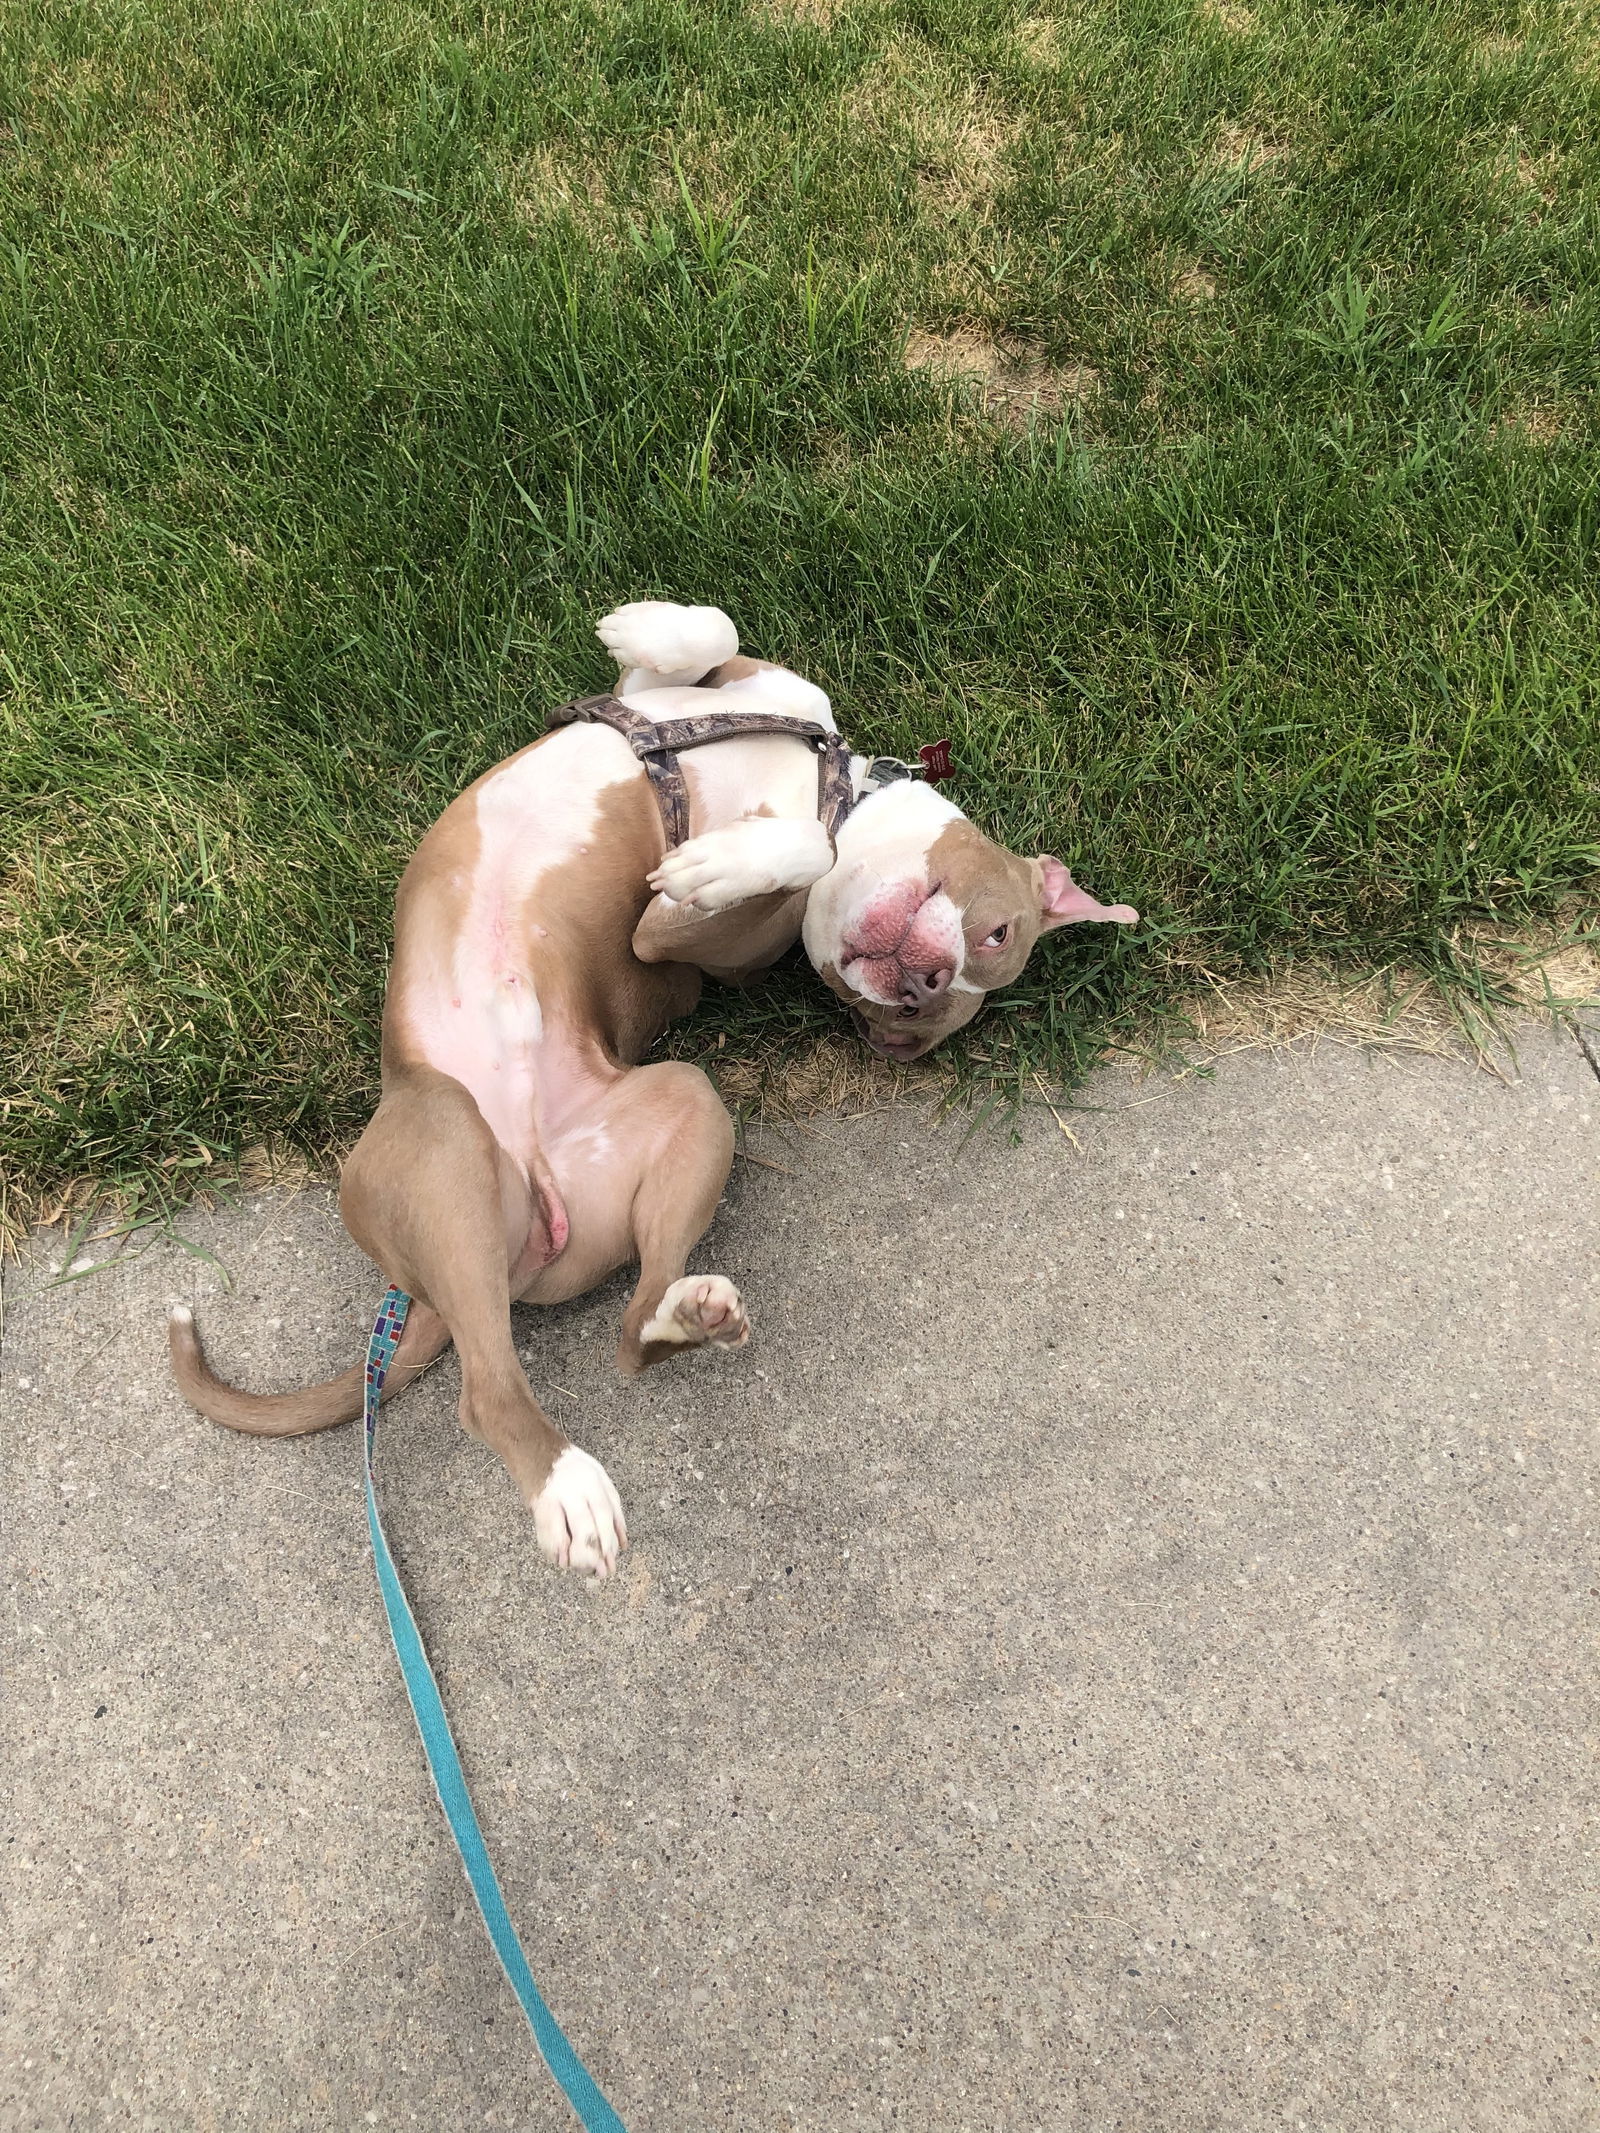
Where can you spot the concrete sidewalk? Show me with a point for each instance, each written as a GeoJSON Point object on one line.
{"type": "Point", "coordinates": [1116, 1651]}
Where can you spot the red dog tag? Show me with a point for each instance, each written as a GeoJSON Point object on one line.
{"type": "Point", "coordinates": [936, 763]}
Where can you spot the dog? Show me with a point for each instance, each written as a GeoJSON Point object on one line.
{"type": "Point", "coordinates": [545, 934]}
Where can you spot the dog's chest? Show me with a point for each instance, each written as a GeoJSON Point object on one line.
{"type": "Point", "coordinates": [767, 774]}
{"type": "Point", "coordinates": [727, 780]}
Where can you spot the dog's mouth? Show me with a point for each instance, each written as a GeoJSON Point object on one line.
{"type": "Point", "coordinates": [889, 1043]}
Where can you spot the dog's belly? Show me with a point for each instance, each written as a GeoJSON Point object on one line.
{"type": "Point", "coordinates": [485, 1030]}
{"type": "Point", "coordinates": [473, 1007]}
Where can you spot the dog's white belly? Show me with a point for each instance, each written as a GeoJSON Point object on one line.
{"type": "Point", "coordinates": [478, 1016]}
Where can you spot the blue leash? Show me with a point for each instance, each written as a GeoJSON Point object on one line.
{"type": "Point", "coordinates": [444, 1765]}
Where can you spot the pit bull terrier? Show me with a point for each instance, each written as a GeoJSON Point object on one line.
{"type": "Point", "coordinates": [544, 936]}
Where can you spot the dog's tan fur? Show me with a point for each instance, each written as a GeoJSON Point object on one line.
{"type": "Point", "coordinates": [445, 1211]}
{"type": "Point", "coordinates": [544, 937]}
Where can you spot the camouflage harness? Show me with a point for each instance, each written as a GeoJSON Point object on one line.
{"type": "Point", "coordinates": [658, 743]}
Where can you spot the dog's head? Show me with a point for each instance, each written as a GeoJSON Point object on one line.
{"type": "Point", "coordinates": [922, 915]}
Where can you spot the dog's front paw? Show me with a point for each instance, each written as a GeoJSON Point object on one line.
{"type": "Point", "coordinates": [663, 638]}
{"type": "Point", "coordinates": [698, 1309]}
{"type": "Point", "coordinates": [577, 1516]}
{"type": "Point", "coordinates": [748, 859]}
{"type": "Point", "coordinates": [712, 872]}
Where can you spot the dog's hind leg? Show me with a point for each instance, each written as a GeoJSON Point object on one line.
{"type": "Point", "coordinates": [685, 1139]}
{"type": "Point", "coordinates": [642, 1172]}
{"type": "Point", "coordinates": [450, 1218]}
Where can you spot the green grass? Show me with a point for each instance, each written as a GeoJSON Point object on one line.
{"type": "Point", "coordinates": [354, 358]}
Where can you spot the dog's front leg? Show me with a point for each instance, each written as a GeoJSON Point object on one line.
{"type": "Point", "coordinates": [743, 896]}
{"type": "Point", "coordinates": [730, 945]}
{"type": "Point", "coordinates": [760, 856]}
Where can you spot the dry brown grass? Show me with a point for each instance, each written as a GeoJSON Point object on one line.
{"type": "Point", "coordinates": [1012, 380]}
{"type": "Point", "coordinates": [1302, 1004]}
{"type": "Point", "coordinates": [961, 154]}
{"type": "Point", "coordinates": [1299, 1006]}
{"type": "Point", "coordinates": [1193, 285]}
{"type": "Point", "coordinates": [959, 139]}
{"type": "Point", "coordinates": [1531, 975]}
{"type": "Point", "coordinates": [285, 1169]}
{"type": "Point", "coordinates": [818, 13]}
{"type": "Point", "coordinates": [554, 181]}
{"type": "Point", "coordinates": [1398, 1010]}
{"type": "Point", "coordinates": [602, 194]}
{"type": "Point", "coordinates": [834, 451]}
{"type": "Point", "coordinates": [1236, 20]}
{"type": "Point", "coordinates": [1529, 425]}
{"type": "Point", "coordinates": [1538, 174]}
{"type": "Point", "coordinates": [110, 1219]}
{"type": "Point", "coordinates": [1039, 39]}
{"type": "Point", "coordinates": [1539, 972]}
{"type": "Point", "coordinates": [1238, 145]}
{"type": "Point", "coordinates": [835, 1073]}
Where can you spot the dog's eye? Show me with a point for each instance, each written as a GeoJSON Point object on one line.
{"type": "Point", "coordinates": [997, 939]}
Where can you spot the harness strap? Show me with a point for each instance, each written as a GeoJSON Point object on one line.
{"type": "Point", "coordinates": [659, 742]}
{"type": "Point", "coordinates": [578, 2085]}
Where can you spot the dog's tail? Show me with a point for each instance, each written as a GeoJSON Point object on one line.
{"type": "Point", "coordinates": [296, 1414]}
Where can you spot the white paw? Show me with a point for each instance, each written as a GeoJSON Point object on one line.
{"type": "Point", "coordinates": [664, 638]}
{"type": "Point", "coordinates": [699, 1308]}
{"type": "Point", "coordinates": [578, 1516]}
{"type": "Point", "coordinates": [730, 866]}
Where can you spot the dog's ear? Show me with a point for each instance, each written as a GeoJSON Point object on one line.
{"type": "Point", "coordinates": [1063, 903]}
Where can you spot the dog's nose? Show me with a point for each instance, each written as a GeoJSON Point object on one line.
{"type": "Point", "coordinates": [917, 987]}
